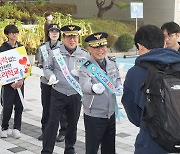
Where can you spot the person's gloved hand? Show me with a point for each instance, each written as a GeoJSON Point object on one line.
{"type": "Point", "coordinates": [52, 80]}
{"type": "Point", "coordinates": [98, 88]}
{"type": "Point", "coordinates": [74, 72]}
{"type": "Point", "coordinates": [119, 91]}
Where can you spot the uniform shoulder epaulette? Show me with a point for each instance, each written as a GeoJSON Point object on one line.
{"type": "Point", "coordinates": [112, 58]}
{"type": "Point", "coordinates": [84, 49]}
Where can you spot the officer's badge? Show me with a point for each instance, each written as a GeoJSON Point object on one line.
{"type": "Point", "coordinates": [98, 36]}
{"type": "Point", "coordinates": [71, 28]}
{"type": "Point", "coordinates": [55, 26]}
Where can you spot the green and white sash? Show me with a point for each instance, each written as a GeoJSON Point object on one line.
{"type": "Point", "coordinates": [60, 60]}
{"type": "Point", "coordinates": [106, 81]}
{"type": "Point", "coordinates": [44, 52]}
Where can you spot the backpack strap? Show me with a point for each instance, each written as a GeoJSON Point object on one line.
{"type": "Point", "coordinates": [151, 70]}
{"type": "Point", "coordinates": [175, 67]}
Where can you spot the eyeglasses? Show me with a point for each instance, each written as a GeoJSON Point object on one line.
{"type": "Point", "coordinates": [170, 36]}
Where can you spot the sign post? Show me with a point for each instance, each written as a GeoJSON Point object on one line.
{"type": "Point", "coordinates": [136, 11]}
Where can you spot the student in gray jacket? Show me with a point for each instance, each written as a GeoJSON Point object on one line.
{"type": "Point", "coordinates": [53, 42]}
{"type": "Point", "coordinates": [63, 94]}
{"type": "Point", "coordinates": [98, 101]}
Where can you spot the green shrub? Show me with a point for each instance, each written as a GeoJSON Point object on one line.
{"type": "Point", "coordinates": [9, 11]}
{"type": "Point", "coordinates": [124, 42]}
{"type": "Point", "coordinates": [40, 9]}
{"type": "Point", "coordinates": [28, 12]}
{"type": "Point", "coordinates": [83, 44]}
{"type": "Point", "coordinates": [111, 40]}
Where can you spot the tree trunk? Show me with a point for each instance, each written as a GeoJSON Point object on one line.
{"type": "Point", "coordinates": [100, 14]}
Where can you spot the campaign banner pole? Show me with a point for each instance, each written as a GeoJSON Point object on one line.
{"type": "Point", "coordinates": [22, 98]}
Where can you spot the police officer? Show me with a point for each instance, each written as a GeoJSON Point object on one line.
{"type": "Point", "coordinates": [61, 71]}
{"type": "Point", "coordinates": [99, 101]}
{"type": "Point", "coordinates": [53, 42]}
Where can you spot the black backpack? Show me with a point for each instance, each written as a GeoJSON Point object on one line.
{"type": "Point", "coordinates": [161, 114]}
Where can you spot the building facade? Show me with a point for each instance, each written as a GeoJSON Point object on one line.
{"type": "Point", "coordinates": [160, 11]}
{"type": "Point", "coordinates": [88, 8]}
{"type": "Point", "coordinates": [156, 12]}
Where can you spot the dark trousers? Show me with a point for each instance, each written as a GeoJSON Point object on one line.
{"type": "Point", "coordinates": [72, 105]}
{"type": "Point", "coordinates": [9, 99]}
{"type": "Point", "coordinates": [63, 123]}
{"type": "Point", "coordinates": [45, 99]}
{"type": "Point", "coordinates": [100, 131]}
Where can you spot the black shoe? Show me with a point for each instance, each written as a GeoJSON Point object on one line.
{"type": "Point", "coordinates": [60, 138]}
{"type": "Point", "coordinates": [40, 138]}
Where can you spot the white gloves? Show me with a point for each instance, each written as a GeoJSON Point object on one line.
{"type": "Point", "coordinates": [98, 88]}
{"type": "Point", "coordinates": [119, 91]}
{"type": "Point", "coordinates": [74, 72]}
{"type": "Point", "coordinates": [52, 80]}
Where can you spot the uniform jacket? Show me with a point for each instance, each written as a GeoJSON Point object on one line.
{"type": "Point", "coordinates": [95, 105]}
{"type": "Point", "coordinates": [134, 101]}
{"type": "Point", "coordinates": [41, 60]}
{"type": "Point", "coordinates": [72, 61]}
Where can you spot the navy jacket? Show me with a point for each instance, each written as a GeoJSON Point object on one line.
{"type": "Point", "coordinates": [133, 98]}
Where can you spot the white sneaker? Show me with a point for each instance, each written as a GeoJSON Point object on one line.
{"type": "Point", "coordinates": [4, 133]}
{"type": "Point", "coordinates": [9, 132]}
{"type": "Point", "coordinates": [16, 133]}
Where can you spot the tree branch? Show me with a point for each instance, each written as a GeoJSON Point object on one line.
{"type": "Point", "coordinates": [100, 4]}
{"type": "Point", "coordinates": [109, 6]}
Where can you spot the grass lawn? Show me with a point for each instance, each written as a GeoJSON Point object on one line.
{"type": "Point", "coordinates": [114, 27]}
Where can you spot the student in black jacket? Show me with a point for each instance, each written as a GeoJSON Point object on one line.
{"type": "Point", "coordinates": [9, 95]}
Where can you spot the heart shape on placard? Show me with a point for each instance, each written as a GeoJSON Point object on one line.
{"type": "Point", "coordinates": [23, 61]}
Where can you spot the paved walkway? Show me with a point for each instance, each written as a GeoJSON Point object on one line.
{"type": "Point", "coordinates": [28, 143]}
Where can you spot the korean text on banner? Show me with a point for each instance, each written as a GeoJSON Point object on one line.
{"type": "Point", "coordinates": [14, 65]}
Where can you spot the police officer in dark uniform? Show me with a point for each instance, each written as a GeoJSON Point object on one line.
{"type": "Point", "coordinates": [53, 42]}
{"type": "Point", "coordinates": [63, 94]}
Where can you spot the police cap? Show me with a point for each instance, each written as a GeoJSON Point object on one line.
{"type": "Point", "coordinates": [97, 39]}
{"type": "Point", "coordinates": [52, 27]}
{"type": "Point", "coordinates": [70, 30]}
